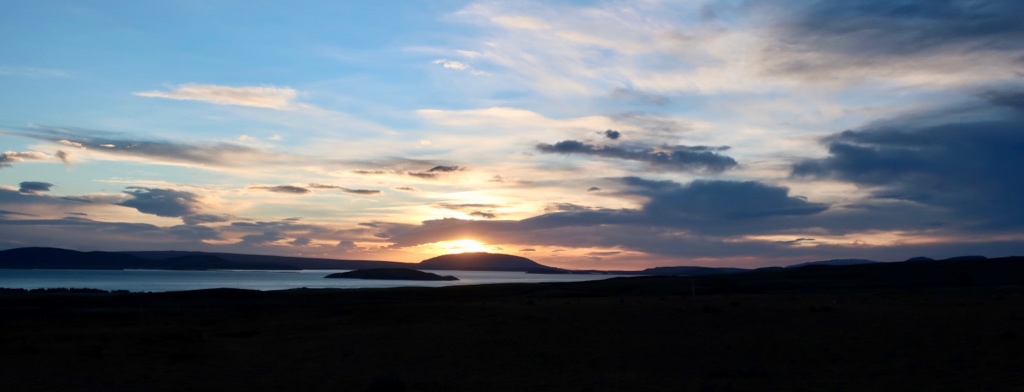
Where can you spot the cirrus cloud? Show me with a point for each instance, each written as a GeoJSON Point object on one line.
{"type": "Point", "coordinates": [270, 97]}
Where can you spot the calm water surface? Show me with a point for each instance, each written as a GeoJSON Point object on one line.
{"type": "Point", "coordinates": [159, 280]}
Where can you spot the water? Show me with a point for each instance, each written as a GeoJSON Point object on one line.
{"type": "Point", "coordinates": [160, 280]}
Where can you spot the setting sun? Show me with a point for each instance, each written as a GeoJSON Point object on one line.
{"type": "Point", "coordinates": [462, 246]}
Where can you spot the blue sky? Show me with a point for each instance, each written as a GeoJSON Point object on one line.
{"type": "Point", "coordinates": [580, 134]}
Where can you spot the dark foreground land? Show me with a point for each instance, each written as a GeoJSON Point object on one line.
{"type": "Point", "coordinates": [815, 329]}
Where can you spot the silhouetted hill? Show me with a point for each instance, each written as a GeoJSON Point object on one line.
{"type": "Point", "coordinates": [390, 274]}
{"type": "Point", "coordinates": [966, 258]}
{"type": "Point", "coordinates": [833, 262]}
{"type": "Point", "coordinates": [268, 262]}
{"type": "Point", "coordinates": [55, 258]}
{"type": "Point", "coordinates": [1003, 271]}
{"type": "Point", "coordinates": [691, 271]}
{"type": "Point", "coordinates": [919, 259]}
{"type": "Point", "coordinates": [483, 261]}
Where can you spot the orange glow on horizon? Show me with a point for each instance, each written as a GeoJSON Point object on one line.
{"type": "Point", "coordinates": [462, 246]}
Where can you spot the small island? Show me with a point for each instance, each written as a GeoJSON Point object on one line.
{"type": "Point", "coordinates": [390, 274]}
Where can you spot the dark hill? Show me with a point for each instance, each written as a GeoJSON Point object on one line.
{"type": "Point", "coordinates": [269, 262]}
{"type": "Point", "coordinates": [833, 262]}
{"type": "Point", "coordinates": [691, 271]}
{"type": "Point", "coordinates": [390, 274]}
{"type": "Point", "coordinates": [483, 261]}
{"type": "Point", "coordinates": [55, 258]}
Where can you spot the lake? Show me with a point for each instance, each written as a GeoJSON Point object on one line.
{"type": "Point", "coordinates": [162, 280]}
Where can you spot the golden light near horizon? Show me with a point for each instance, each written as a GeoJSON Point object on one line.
{"type": "Point", "coordinates": [462, 246]}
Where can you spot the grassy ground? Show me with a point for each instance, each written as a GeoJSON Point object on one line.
{"type": "Point", "coordinates": [637, 334]}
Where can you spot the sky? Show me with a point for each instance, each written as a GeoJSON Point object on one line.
{"type": "Point", "coordinates": [580, 134]}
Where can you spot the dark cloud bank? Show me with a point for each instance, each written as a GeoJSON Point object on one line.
{"type": "Point", "coordinates": [34, 187]}
{"type": "Point", "coordinates": [676, 158]}
{"type": "Point", "coordinates": [964, 160]}
{"type": "Point", "coordinates": [816, 39]}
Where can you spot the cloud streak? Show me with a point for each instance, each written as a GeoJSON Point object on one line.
{"type": "Point", "coordinates": [8, 157]}
{"type": "Point", "coordinates": [102, 142]}
{"type": "Point", "coordinates": [270, 97]}
{"type": "Point", "coordinates": [677, 158]}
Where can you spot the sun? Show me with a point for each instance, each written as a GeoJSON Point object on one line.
{"type": "Point", "coordinates": [463, 246]}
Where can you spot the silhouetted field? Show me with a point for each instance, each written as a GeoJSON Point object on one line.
{"type": "Point", "coordinates": [814, 329]}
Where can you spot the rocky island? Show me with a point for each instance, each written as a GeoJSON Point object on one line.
{"type": "Point", "coordinates": [390, 274]}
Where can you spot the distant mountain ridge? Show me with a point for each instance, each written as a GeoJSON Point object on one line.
{"type": "Point", "coordinates": [692, 271]}
{"type": "Point", "coordinates": [833, 262]}
{"type": "Point", "coordinates": [56, 258]}
{"type": "Point", "coordinates": [275, 262]}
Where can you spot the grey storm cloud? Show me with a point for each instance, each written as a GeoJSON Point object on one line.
{"type": "Point", "coordinates": [966, 162]}
{"type": "Point", "coordinates": [825, 36]}
{"type": "Point", "coordinates": [676, 158]}
{"type": "Point", "coordinates": [291, 189]}
{"type": "Point", "coordinates": [34, 187]}
{"type": "Point", "coordinates": [162, 202]}
{"type": "Point", "coordinates": [301, 241]}
{"type": "Point", "coordinates": [593, 189]}
{"type": "Point", "coordinates": [612, 134]}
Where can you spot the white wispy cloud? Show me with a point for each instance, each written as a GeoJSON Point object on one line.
{"type": "Point", "coordinates": [271, 97]}
{"type": "Point", "coordinates": [521, 22]}
{"type": "Point", "coordinates": [452, 64]}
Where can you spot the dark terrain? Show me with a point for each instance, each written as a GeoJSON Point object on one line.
{"type": "Point", "coordinates": [914, 326]}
